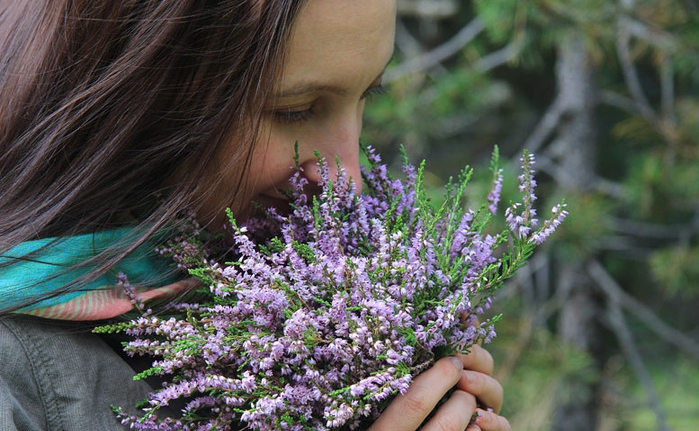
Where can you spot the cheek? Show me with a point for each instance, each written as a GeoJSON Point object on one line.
{"type": "Point", "coordinates": [271, 162]}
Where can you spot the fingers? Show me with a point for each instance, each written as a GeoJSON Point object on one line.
{"type": "Point", "coordinates": [408, 411]}
{"type": "Point", "coordinates": [470, 375]}
{"type": "Point", "coordinates": [478, 359]}
{"type": "Point", "coordinates": [454, 415]}
{"type": "Point", "coordinates": [488, 390]}
{"type": "Point", "coordinates": [489, 421]}
{"type": "Point", "coordinates": [476, 378]}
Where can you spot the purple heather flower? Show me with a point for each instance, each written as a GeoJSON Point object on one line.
{"type": "Point", "coordinates": [323, 314]}
{"type": "Point", "coordinates": [527, 184]}
{"type": "Point", "coordinates": [494, 195]}
{"type": "Point", "coordinates": [559, 214]}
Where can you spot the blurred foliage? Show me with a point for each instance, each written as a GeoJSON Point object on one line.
{"type": "Point", "coordinates": [677, 381]}
{"type": "Point", "coordinates": [586, 230]}
{"type": "Point", "coordinates": [676, 270]}
{"type": "Point", "coordinates": [640, 218]}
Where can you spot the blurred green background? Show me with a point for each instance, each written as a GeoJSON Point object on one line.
{"type": "Point", "coordinates": [601, 330]}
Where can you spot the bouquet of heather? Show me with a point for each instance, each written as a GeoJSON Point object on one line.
{"type": "Point", "coordinates": [322, 323]}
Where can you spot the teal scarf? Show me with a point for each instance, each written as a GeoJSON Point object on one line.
{"type": "Point", "coordinates": [33, 270]}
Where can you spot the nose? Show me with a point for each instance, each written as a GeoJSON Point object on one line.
{"type": "Point", "coordinates": [337, 143]}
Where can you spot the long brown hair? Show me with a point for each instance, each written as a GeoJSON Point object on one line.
{"type": "Point", "coordinates": [100, 101]}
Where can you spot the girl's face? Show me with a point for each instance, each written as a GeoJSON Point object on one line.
{"type": "Point", "coordinates": [336, 57]}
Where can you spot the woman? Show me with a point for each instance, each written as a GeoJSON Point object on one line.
{"type": "Point", "coordinates": [114, 118]}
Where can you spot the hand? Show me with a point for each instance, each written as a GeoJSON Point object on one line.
{"type": "Point", "coordinates": [476, 379]}
{"type": "Point", "coordinates": [475, 393]}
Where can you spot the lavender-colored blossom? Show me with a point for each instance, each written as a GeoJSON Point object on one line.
{"type": "Point", "coordinates": [559, 213]}
{"type": "Point", "coordinates": [495, 192]}
{"type": "Point", "coordinates": [527, 184]}
{"type": "Point", "coordinates": [321, 315]}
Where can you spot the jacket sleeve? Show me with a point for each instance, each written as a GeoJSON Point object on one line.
{"type": "Point", "coordinates": [20, 398]}
{"type": "Point", "coordinates": [16, 415]}
{"type": "Point", "coordinates": [59, 376]}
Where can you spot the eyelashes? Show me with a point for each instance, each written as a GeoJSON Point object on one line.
{"type": "Point", "coordinates": [375, 90]}
{"type": "Point", "coordinates": [291, 116]}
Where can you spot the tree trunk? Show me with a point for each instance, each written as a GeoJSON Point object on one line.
{"type": "Point", "coordinates": [574, 148]}
{"type": "Point", "coordinates": [577, 404]}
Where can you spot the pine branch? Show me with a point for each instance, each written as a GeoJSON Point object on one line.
{"type": "Point", "coordinates": [655, 231]}
{"type": "Point", "coordinates": [619, 101]}
{"type": "Point", "coordinates": [628, 69]}
{"type": "Point", "coordinates": [667, 88]}
{"type": "Point", "coordinates": [664, 331]}
{"type": "Point", "coordinates": [428, 8]}
{"type": "Point", "coordinates": [499, 57]}
{"type": "Point", "coordinates": [546, 126]}
{"type": "Point", "coordinates": [434, 57]}
{"type": "Point", "coordinates": [536, 315]}
{"type": "Point", "coordinates": [662, 125]}
{"type": "Point", "coordinates": [640, 30]}
{"type": "Point", "coordinates": [620, 328]}
{"type": "Point", "coordinates": [601, 185]}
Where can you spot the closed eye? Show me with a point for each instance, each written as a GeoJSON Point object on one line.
{"type": "Point", "coordinates": [289, 116]}
{"type": "Point", "coordinates": [375, 90]}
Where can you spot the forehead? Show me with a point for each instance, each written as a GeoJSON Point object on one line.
{"type": "Point", "coordinates": [336, 40]}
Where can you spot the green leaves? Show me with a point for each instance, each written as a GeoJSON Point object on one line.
{"type": "Point", "coordinates": [676, 270]}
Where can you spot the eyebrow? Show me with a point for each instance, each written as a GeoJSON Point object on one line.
{"type": "Point", "coordinates": [306, 88]}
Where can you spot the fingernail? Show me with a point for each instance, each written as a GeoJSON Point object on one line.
{"type": "Point", "coordinates": [457, 363]}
